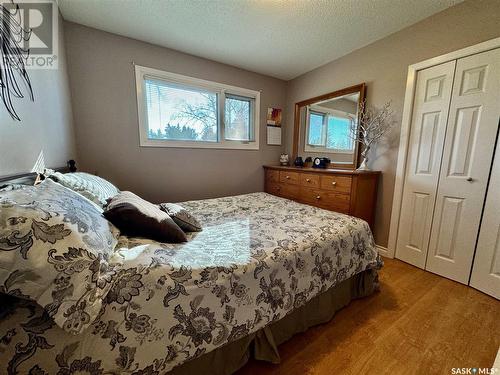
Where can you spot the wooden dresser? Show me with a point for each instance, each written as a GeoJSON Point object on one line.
{"type": "Point", "coordinates": [347, 191]}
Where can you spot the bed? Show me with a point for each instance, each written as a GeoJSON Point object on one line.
{"type": "Point", "coordinates": [262, 269]}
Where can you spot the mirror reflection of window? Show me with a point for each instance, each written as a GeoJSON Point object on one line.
{"type": "Point", "coordinates": [338, 134]}
{"type": "Point", "coordinates": [330, 131]}
{"type": "Point", "coordinates": [316, 129]}
{"type": "Point", "coordinates": [329, 125]}
{"type": "Point", "coordinates": [326, 125]}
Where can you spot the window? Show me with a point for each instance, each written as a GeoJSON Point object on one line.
{"type": "Point", "coordinates": [180, 111]}
{"type": "Point", "coordinates": [316, 129]}
{"type": "Point", "coordinates": [329, 131]}
{"type": "Point", "coordinates": [238, 118]}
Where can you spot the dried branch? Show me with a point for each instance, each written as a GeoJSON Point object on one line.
{"type": "Point", "coordinates": [373, 123]}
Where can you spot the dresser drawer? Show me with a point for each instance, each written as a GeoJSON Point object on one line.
{"type": "Point", "coordinates": [339, 184]}
{"type": "Point", "coordinates": [309, 180]}
{"type": "Point", "coordinates": [273, 188]}
{"type": "Point", "coordinates": [283, 190]}
{"type": "Point", "coordinates": [272, 175]}
{"type": "Point", "coordinates": [337, 204]}
{"type": "Point", "coordinates": [289, 191]}
{"type": "Point", "coordinates": [289, 177]}
{"type": "Point", "coordinates": [325, 199]}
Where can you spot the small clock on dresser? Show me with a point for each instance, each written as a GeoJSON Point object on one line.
{"type": "Point", "coordinates": [321, 162]}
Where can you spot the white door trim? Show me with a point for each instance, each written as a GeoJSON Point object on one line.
{"type": "Point", "coordinates": [406, 123]}
{"type": "Point", "coordinates": [382, 250]}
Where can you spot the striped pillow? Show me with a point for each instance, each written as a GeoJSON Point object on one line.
{"type": "Point", "coordinates": [181, 217]}
{"type": "Point", "coordinates": [94, 188]}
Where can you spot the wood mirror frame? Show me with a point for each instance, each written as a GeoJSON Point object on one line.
{"type": "Point", "coordinates": [361, 88]}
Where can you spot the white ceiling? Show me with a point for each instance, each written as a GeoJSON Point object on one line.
{"type": "Point", "coordinates": [280, 38]}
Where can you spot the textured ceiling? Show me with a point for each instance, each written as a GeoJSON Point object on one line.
{"type": "Point", "coordinates": [280, 38]}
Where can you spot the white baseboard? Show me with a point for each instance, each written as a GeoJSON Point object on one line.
{"type": "Point", "coordinates": [384, 251]}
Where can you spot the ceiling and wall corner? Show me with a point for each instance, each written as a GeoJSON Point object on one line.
{"type": "Point", "coordinates": [279, 38]}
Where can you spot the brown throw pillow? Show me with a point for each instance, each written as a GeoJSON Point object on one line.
{"type": "Point", "coordinates": [182, 217]}
{"type": "Point", "coordinates": [137, 217]}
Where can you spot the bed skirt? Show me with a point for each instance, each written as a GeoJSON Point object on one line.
{"type": "Point", "coordinates": [263, 344]}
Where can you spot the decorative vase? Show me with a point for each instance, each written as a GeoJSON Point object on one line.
{"type": "Point", "coordinates": [299, 162]}
{"type": "Point", "coordinates": [364, 164]}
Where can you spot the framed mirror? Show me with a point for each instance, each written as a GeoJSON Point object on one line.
{"type": "Point", "coordinates": [323, 127]}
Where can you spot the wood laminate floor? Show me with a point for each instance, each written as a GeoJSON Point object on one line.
{"type": "Point", "coordinates": [419, 323]}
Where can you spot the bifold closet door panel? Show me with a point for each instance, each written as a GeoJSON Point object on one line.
{"type": "Point", "coordinates": [468, 153]}
{"type": "Point", "coordinates": [486, 270]}
{"type": "Point", "coordinates": [428, 128]}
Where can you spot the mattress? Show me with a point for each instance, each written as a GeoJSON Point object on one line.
{"type": "Point", "coordinates": [258, 258]}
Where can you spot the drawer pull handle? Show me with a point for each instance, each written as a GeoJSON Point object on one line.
{"type": "Point", "coordinates": [318, 197]}
{"type": "Point", "coordinates": [334, 183]}
{"type": "Point", "coordinates": [308, 179]}
{"type": "Point", "coordinates": [287, 177]}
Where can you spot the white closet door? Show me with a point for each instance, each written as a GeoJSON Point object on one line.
{"type": "Point", "coordinates": [430, 113]}
{"type": "Point", "coordinates": [486, 270]}
{"type": "Point", "coordinates": [467, 156]}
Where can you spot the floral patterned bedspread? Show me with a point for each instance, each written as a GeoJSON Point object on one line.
{"type": "Point", "coordinates": [257, 258]}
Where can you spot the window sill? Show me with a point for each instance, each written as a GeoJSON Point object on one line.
{"type": "Point", "coordinates": [324, 150]}
{"type": "Point", "coordinates": [228, 145]}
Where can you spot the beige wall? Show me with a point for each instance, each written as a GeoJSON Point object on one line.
{"type": "Point", "coordinates": [46, 124]}
{"type": "Point", "coordinates": [104, 103]}
{"type": "Point", "coordinates": [383, 66]}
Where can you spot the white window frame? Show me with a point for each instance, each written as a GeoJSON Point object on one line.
{"type": "Point", "coordinates": [221, 89]}
{"type": "Point", "coordinates": [323, 149]}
